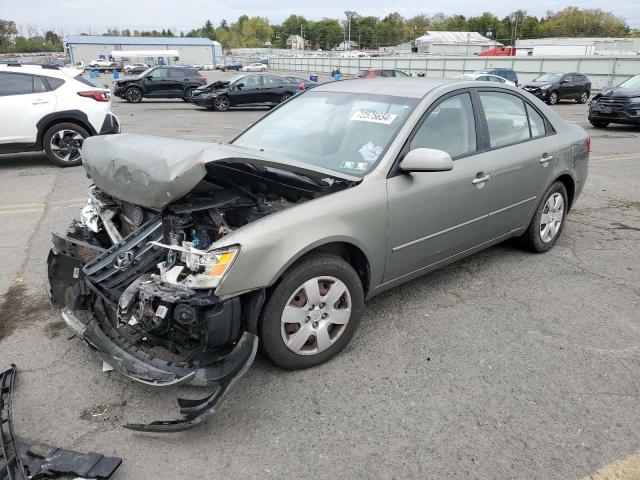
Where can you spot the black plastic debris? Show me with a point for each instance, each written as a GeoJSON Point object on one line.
{"type": "Point", "coordinates": [22, 459]}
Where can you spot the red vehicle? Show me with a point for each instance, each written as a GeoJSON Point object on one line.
{"type": "Point", "coordinates": [499, 52]}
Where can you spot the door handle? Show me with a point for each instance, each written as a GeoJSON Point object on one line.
{"type": "Point", "coordinates": [478, 180]}
{"type": "Point", "coordinates": [39, 101]}
{"type": "Point", "coordinates": [546, 158]}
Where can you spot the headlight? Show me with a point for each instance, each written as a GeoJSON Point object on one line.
{"type": "Point", "coordinates": [204, 269]}
{"type": "Point", "coordinates": [634, 100]}
{"type": "Point", "coordinates": [544, 87]}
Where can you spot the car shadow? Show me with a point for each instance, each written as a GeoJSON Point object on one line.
{"type": "Point", "coordinates": [25, 160]}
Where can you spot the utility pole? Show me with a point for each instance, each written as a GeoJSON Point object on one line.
{"type": "Point", "coordinates": [350, 14]}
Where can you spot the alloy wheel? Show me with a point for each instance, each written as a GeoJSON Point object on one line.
{"type": "Point", "coordinates": [134, 95]}
{"type": "Point", "coordinates": [584, 97]}
{"type": "Point", "coordinates": [285, 97]}
{"type": "Point", "coordinates": [551, 218]}
{"type": "Point", "coordinates": [553, 98]}
{"type": "Point", "coordinates": [222, 103]}
{"type": "Point", "coordinates": [316, 315]}
{"type": "Point", "coordinates": [66, 145]}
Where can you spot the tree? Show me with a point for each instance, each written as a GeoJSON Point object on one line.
{"type": "Point", "coordinates": [416, 27]}
{"type": "Point", "coordinates": [487, 22]}
{"type": "Point", "coordinates": [256, 31]}
{"type": "Point", "coordinates": [390, 31]}
{"type": "Point", "coordinates": [363, 31]}
{"type": "Point", "coordinates": [7, 31]}
{"type": "Point", "coordinates": [576, 22]}
{"type": "Point", "coordinates": [326, 33]}
{"type": "Point", "coordinates": [52, 38]}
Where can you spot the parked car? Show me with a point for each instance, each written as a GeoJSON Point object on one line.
{"type": "Point", "coordinates": [553, 87]}
{"type": "Point", "coordinates": [237, 66]}
{"type": "Point", "coordinates": [197, 66]}
{"type": "Point", "coordinates": [245, 91]}
{"type": "Point", "coordinates": [380, 72]}
{"type": "Point", "coordinates": [485, 77]}
{"type": "Point", "coordinates": [103, 64]}
{"type": "Point", "coordinates": [50, 109]}
{"type": "Point", "coordinates": [306, 83]}
{"type": "Point", "coordinates": [159, 82]}
{"type": "Point", "coordinates": [135, 68]}
{"type": "Point", "coordinates": [208, 66]}
{"type": "Point", "coordinates": [619, 104]}
{"type": "Point", "coordinates": [192, 251]}
{"type": "Point", "coordinates": [255, 67]}
{"type": "Point", "coordinates": [506, 73]}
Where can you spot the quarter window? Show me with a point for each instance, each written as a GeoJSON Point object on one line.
{"type": "Point", "coordinates": [449, 127]}
{"type": "Point", "coordinates": [15, 84]}
{"type": "Point", "coordinates": [536, 122]}
{"type": "Point", "coordinates": [38, 85]}
{"type": "Point", "coordinates": [506, 118]}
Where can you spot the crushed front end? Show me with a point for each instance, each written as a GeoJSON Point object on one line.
{"type": "Point", "coordinates": [138, 286]}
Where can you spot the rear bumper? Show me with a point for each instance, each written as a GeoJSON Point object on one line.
{"type": "Point", "coordinates": [84, 311]}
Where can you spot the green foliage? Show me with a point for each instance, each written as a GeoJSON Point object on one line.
{"type": "Point", "coordinates": [576, 22]}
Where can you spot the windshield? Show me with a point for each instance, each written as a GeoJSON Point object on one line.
{"type": "Point", "coordinates": [343, 132]}
{"type": "Point", "coordinates": [233, 80]}
{"type": "Point", "coordinates": [146, 72]}
{"type": "Point", "coordinates": [633, 83]}
{"type": "Point", "coordinates": [549, 77]}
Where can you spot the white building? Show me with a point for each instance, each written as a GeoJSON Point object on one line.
{"type": "Point", "coordinates": [296, 42]}
{"type": "Point", "coordinates": [84, 48]}
{"type": "Point", "coordinates": [578, 46]}
{"type": "Point", "coordinates": [454, 43]}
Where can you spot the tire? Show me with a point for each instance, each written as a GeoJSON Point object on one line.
{"type": "Point", "coordinates": [598, 123]}
{"type": "Point", "coordinates": [296, 344]}
{"type": "Point", "coordinates": [538, 238]}
{"type": "Point", "coordinates": [62, 143]}
{"type": "Point", "coordinates": [285, 97]}
{"type": "Point", "coordinates": [133, 95]}
{"type": "Point", "coordinates": [584, 96]}
{"type": "Point", "coordinates": [221, 103]}
{"type": "Point", "coordinates": [554, 98]}
{"type": "Point", "coordinates": [188, 94]}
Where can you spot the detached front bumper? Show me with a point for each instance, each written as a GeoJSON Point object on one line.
{"type": "Point", "coordinates": [83, 309]}
{"type": "Point", "coordinates": [626, 115]}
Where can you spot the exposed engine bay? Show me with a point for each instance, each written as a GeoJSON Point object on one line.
{"type": "Point", "coordinates": [138, 283]}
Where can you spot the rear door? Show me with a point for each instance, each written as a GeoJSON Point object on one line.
{"type": "Point", "coordinates": [433, 216]}
{"type": "Point", "coordinates": [179, 79]}
{"type": "Point", "coordinates": [567, 87]}
{"type": "Point", "coordinates": [24, 100]}
{"type": "Point", "coordinates": [524, 151]}
{"type": "Point", "coordinates": [272, 89]}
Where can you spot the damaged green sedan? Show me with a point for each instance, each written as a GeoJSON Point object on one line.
{"type": "Point", "coordinates": [190, 254]}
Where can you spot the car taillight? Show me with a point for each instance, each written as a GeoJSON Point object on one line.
{"type": "Point", "coordinates": [588, 144]}
{"type": "Point", "coordinates": [96, 95]}
{"type": "Point", "coordinates": [301, 86]}
{"type": "Point", "coordinates": [203, 80]}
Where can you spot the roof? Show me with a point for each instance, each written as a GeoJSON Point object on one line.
{"type": "Point", "coordinates": [105, 40]}
{"type": "Point", "coordinates": [397, 87]}
{"type": "Point", "coordinates": [473, 38]}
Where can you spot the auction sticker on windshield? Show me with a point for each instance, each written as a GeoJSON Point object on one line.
{"type": "Point", "coordinates": [373, 117]}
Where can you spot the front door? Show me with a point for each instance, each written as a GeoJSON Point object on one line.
{"type": "Point", "coordinates": [433, 216]}
{"type": "Point", "coordinates": [524, 155]}
{"type": "Point", "coordinates": [247, 90]}
{"type": "Point", "coordinates": [157, 82]}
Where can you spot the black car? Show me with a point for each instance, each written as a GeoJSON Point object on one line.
{"type": "Point", "coordinates": [237, 66]}
{"type": "Point", "coordinates": [619, 104]}
{"type": "Point", "coordinates": [245, 90]}
{"type": "Point", "coordinates": [159, 82]}
{"type": "Point", "coordinates": [506, 73]}
{"type": "Point", "coordinates": [553, 87]}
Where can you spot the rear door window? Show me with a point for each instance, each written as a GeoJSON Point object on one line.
{"type": "Point", "coordinates": [271, 82]}
{"type": "Point", "coordinates": [506, 118]}
{"type": "Point", "coordinates": [449, 127]}
{"type": "Point", "coordinates": [15, 84]}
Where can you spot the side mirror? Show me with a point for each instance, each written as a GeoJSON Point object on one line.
{"type": "Point", "coordinates": [239, 86]}
{"type": "Point", "coordinates": [149, 77]}
{"type": "Point", "coordinates": [564, 81]}
{"type": "Point", "coordinates": [426, 160]}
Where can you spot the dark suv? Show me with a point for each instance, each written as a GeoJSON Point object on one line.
{"type": "Point", "coordinates": [506, 73]}
{"type": "Point", "coordinates": [159, 82]}
{"type": "Point", "coordinates": [553, 87]}
{"type": "Point", "coordinates": [619, 104]}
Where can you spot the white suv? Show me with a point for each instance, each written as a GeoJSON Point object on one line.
{"type": "Point", "coordinates": [45, 108]}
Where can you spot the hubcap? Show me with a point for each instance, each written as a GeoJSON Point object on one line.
{"type": "Point", "coordinates": [222, 103]}
{"type": "Point", "coordinates": [551, 218]}
{"type": "Point", "coordinates": [316, 315]}
{"type": "Point", "coordinates": [66, 144]}
{"type": "Point", "coordinates": [134, 95]}
{"type": "Point", "coordinates": [554, 97]}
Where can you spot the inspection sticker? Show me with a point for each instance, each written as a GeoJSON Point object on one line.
{"type": "Point", "coordinates": [355, 165]}
{"type": "Point", "coordinates": [373, 117]}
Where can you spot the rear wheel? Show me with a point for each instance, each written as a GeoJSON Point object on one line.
{"type": "Point", "coordinates": [285, 97]}
{"type": "Point", "coordinates": [584, 96]}
{"type": "Point", "coordinates": [222, 103]}
{"type": "Point", "coordinates": [62, 144]}
{"type": "Point", "coordinates": [548, 221]}
{"type": "Point", "coordinates": [133, 95]}
{"type": "Point", "coordinates": [599, 123]}
{"type": "Point", "coordinates": [312, 313]}
{"type": "Point", "coordinates": [553, 98]}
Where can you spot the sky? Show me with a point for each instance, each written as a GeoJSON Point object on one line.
{"type": "Point", "coordinates": [90, 16]}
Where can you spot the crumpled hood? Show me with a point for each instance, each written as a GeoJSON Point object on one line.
{"type": "Point", "coordinates": [619, 92]}
{"type": "Point", "coordinates": [153, 171]}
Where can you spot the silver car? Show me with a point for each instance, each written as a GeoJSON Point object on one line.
{"type": "Point", "coordinates": [190, 254]}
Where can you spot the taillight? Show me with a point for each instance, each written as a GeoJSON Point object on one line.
{"type": "Point", "coordinates": [301, 86]}
{"type": "Point", "coordinates": [588, 144]}
{"type": "Point", "coordinates": [203, 80]}
{"type": "Point", "coordinates": [96, 95]}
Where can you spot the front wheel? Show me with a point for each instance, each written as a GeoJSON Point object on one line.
{"type": "Point", "coordinates": [133, 95]}
{"type": "Point", "coordinates": [63, 143]}
{"type": "Point", "coordinates": [222, 103]}
{"type": "Point", "coordinates": [583, 97]}
{"type": "Point", "coordinates": [312, 313]}
{"type": "Point", "coordinates": [548, 221]}
{"type": "Point", "coordinates": [553, 98]}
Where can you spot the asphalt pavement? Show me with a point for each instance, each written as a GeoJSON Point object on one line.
{"type": "Point", "coordinates": [503, 365]}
